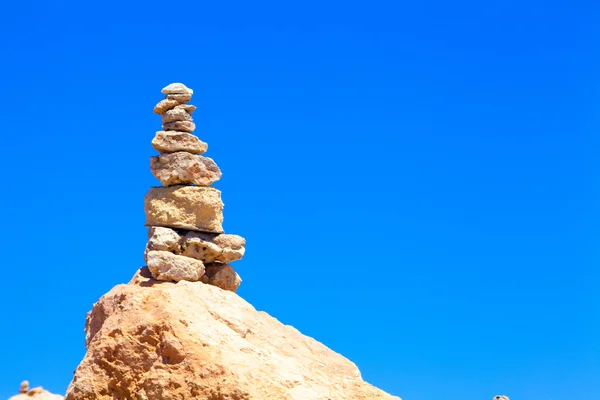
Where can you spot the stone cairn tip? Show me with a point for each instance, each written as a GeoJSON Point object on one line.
{"type": "Point", "coordinates": [185, 216]}
{"type": "Point", "coordinates": [24, 388]}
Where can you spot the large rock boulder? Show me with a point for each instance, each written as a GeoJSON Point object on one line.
{"type": "Point", "coordinates": [149, 340]}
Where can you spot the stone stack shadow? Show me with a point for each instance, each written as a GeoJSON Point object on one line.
{"type": "Point", "coordinates": [185, 215]}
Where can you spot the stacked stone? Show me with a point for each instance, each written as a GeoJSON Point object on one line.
{"type": "Point", "coordinates": [185, 215]}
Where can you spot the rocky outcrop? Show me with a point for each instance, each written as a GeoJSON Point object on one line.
{"type": "Point", "coordinates": [37, 393]}
{"type": "Point", "coordinates": [187, 204]}
{"type": "Point", "coordinates": [152, 340]}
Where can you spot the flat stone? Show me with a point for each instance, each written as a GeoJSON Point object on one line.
{"type": "Point", "coordinates": [184, 168]}
{"type": "Point", "coordinates": [176, 114]}
{"type": "Point", "coordinates": [166, 266]}
{"type": "Point", "coordinates": [223, 276]}
{"type": "Point", "coordinates": [210, 248]}
{"type": "Point", "coordinates": [187, 107]}
{"type": "Point", "coordinates": [195, 208]}
{"type": "Point", "coordinates": [177, 88]}
{"type": "Point", "coordinates": [180, 98]}
{"type": "Point", "coordinates": [165, 105]}
{"type": "Point", "coordinates": [172, 141]}
{"type": "Point", "coordinates": [181, 126]}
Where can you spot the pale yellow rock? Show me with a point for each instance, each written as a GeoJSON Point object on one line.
{"type": "Point", "coordinates": [166, 266]}
{"type": "Point", "coordinates": [165, 105]}
{"type": "Point", "coordinates": [189, 340]}
{"type": "Point", "coordinates": [180, 126]}
{"type": "Point", "coordinates": [223, 276]}
{"type": "Point", "coordinates": [177, 88]}
{"type": "Point", "coordinates": [172, 141]}
{"type": "Point", "coordinates": [184, 168]}
{"type": "Point", "coordinates": [195, 208]}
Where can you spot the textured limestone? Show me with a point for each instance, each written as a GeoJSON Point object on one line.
{"type": "Point", "coordinates": [223, 276]}
{"type": "Point", "coordinates": [210, 248]}
{"type": "Point", "coordinates": [172, 141]}
{"type": "Point", "coordinates": [165, 239]}
{"type": "Point", "coordinates": [165, 105]}
{"type": "Point", "coordinates": [180, 98]}
{"type": "Point", "coordinates": [187, 107]}
{"type": "Point", "coordinates": [194, 208]}
{"type": "Point", "coordinates": [184, 168]}
{"type": "Point", "coordinates": [150, 340]}
{"type": "Point", "coordinates": [181, 126]}
{"type": "Point", "coordinates": [176, 114]}
{"type": "Point", "coordinates": [177, 88]}
{"type": "Point", "coordinates": [166, 266]}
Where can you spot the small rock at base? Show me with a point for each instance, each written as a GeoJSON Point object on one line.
{"type": "Point", "coordinates": [184, 168]}
{"type": "Point", "coordinates": [181, 126]}
{"type": "Point", "coordinates": [177, 88]}
{"type": "Point", "coordinates": [165, 105]}
{"type": "Point", "coordinates": [223, 276]}
{"type": "Point", "coordinates": [166, 266]}
{"type": "Point", "coordinates": [176, 114]}
{"type": "Point", "coordinates": [172, 141]}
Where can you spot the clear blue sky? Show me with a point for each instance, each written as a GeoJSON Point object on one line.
{"type": "Point", "coordinates": [417, 181]}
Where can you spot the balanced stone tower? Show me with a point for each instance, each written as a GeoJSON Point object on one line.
{"type": "Point", "coordinates": [185, 215]}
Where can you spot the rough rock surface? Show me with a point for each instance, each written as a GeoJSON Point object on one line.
{"type": "Point", "coordinates": [166, 266]}
{"type": "Point", "coordinates": [176, 114]}
{"type": "Point", "coordinates": [501, 398]}
{"type": "Point", "coordinates": [165, 105]}
{"type": "Point", "coordinates": [181, 126]}
{"type": "Point", "coordinates": [37, 393]}
{"type": "Point", "coordinates": [177, 88]}
{"type": "Point", "coordinates": [194, 208]}
{"type": "Point", "coordinates": [187, 107]}
{"type": "Point", "coordinates": [164, 239]}
{"type": "Point", "coordinates": [180, 98]}
{"type": "Point", "coordinates": [209, 248]}
{"type": "Point", "coordinates": [150, 340]}
{"type": "Point", "coordinates": [184, 168]}
{"type": "Point", "coordinates": [223, 276]}
{"type": "Point", "coordinates": [172, 141]}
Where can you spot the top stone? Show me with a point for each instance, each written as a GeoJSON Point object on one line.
{"type": "Point", "coordinates": [177, 88]}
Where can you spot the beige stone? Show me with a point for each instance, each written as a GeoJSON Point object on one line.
{"type": "Point", "coordinates": [181, 126]}
{"type": "Point", "coordinates": [194, 341]}
{"type": "Point", "coordinates": [166, 266]}
{"type": "Point", "coordinates": [165, 105]}
{"type": "Point", "coordinates": [165, 239]}
{"type": "Point", "coordinates": [177, 88]}
{"type": "Point", "coordinates": [501, 398]}
{"type": "Point", "coordinates": [210, 248]}
{"type": "Point", "coordinates": [184, 168]}
{"type": "Point", "coordinates": [195, 208]}
{"type": "Point", "coordinates": [187, 107]}
{"type": "Point", "coordinates": [176, 114]}
{"type": "Point", "coordinates": [180, 98]}
{"type": "Point", "coordinates": [172, 141]}
{"type": "Point", "coordinates": [223, 276]}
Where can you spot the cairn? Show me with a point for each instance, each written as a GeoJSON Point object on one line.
{"type": "Point", "coordinates": [185, 215]}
